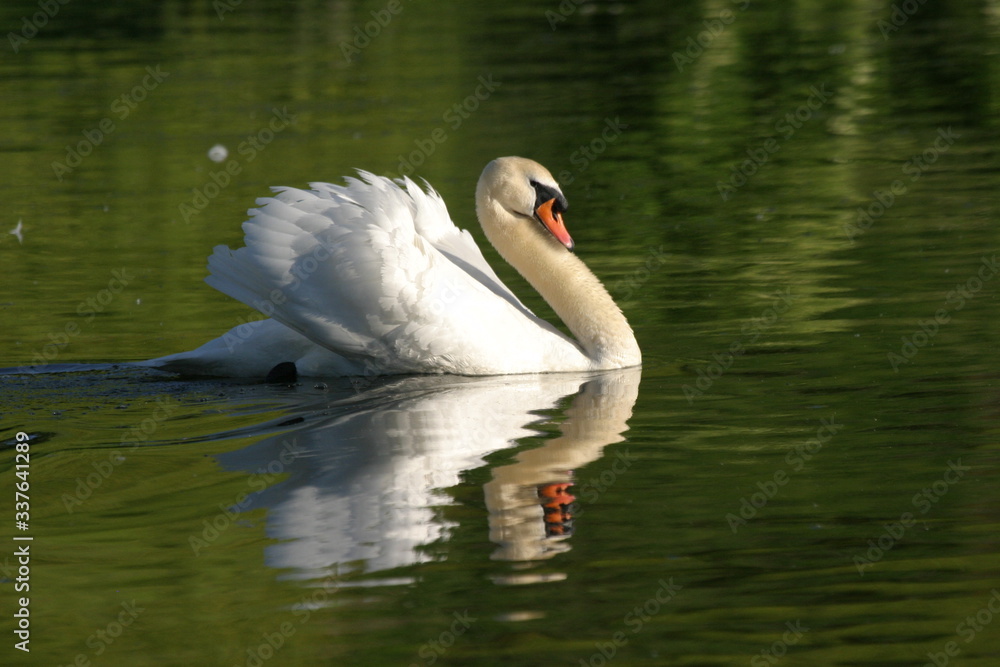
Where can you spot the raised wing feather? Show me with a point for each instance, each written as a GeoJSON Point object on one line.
{"type": "Point", "coordinates": [377, 272]}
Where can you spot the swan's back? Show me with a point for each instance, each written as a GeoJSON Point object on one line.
{"type": "Point", "coordinates": [375, 272]}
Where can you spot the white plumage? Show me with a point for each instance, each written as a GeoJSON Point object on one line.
{"type": "Point", "coordinates": [373, 277]}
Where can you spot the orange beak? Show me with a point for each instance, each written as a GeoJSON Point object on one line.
{"type": "Point", "coordinates": [554, 223]}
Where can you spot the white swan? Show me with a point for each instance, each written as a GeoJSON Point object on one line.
{"type": "Point", "coordinates": [373, 278]}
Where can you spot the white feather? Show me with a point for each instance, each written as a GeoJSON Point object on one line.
{"type": "Point", "coordinates": [376, 275]}
{"type": "Point", "coordinates": [373, 277]}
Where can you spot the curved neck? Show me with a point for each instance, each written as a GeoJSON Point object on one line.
{"type": "Point", "coordinates": [564, 281]}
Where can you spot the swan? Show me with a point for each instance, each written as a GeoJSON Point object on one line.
{"type": "Point", "coordinates": [373, 278]}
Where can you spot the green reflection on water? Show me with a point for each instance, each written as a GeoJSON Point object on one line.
{"type": "Point", "coordinates": [694, 272]}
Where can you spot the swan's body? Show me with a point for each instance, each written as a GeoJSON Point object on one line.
{"type": "Point", "coordinates": [373, 278]}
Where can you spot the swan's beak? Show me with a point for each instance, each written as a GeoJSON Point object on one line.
{"type": "Point", "coordinates": [554, 223]}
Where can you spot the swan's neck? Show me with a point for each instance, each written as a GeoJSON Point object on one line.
{"type": "Point", "coordinates": [569, 287]}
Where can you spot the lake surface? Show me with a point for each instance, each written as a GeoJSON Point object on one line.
{"type": "Point", "coordinates": [795, 204]}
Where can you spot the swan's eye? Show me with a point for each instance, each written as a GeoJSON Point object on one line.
{"type": "Point", "coordinates": [545, 193]}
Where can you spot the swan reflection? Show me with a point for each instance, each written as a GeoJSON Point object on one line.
{"type": "Point", "coordinates": [366, 475]}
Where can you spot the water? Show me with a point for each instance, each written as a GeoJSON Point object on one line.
{"type": "Point", "coordinates": [794, 205]}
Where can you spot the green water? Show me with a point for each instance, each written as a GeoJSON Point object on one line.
{"type": "Point", "coordinates": [794, 204]}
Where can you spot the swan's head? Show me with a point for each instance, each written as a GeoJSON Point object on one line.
{"type": "Point", "coordinates": [527, 193]}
